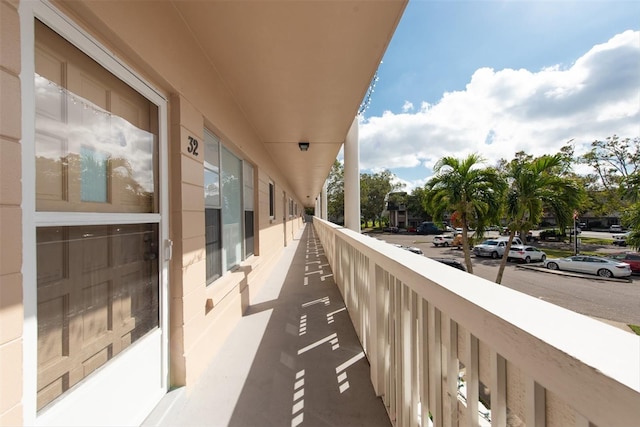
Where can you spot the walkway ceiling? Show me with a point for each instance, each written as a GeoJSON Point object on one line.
{"type": "Point", "coordinates": [298, 70]}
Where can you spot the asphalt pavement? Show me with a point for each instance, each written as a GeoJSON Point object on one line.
{"type": "Point", "coordinates": [615, 304]}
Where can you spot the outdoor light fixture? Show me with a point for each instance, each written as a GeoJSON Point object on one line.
{"type": "Point", "coordinates": [304, 146]}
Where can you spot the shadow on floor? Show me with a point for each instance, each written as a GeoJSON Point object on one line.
{"type": "Point", "coordinates": [293, 359]}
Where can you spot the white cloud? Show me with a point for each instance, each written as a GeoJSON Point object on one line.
{"type": "Point", "coordinates": [408, 106]}
{"type": "Point", "coordinates": [502, 112]}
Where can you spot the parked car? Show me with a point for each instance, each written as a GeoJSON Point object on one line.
{"type": "Point", "coordinates": [442, 240]}
{"type": "Point", "coordinates": [620, 239]}
{"type": "Point", "coordinates": [615, 228]}
{"type": "Point", "coordinates": [494, 248]}
{"type": "Point", "coordinates": [526, 254]}
{"type": "Point", "coordinates": [604, 267]}
{"type": "Point", "coordinates": [631, 258]}
{"type": "Point", "coordinates": [457, 241]}
{"type": "Point", "coordinates": [413, 249]}
{"type": "Point", "coordinates": [409, 248]}
{"type": "Point", "coordinates": [452, 262]}
{"type": "Point", "coordinates": [428, 228]}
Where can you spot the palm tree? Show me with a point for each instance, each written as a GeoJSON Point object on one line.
{"type": "Point", "coordinates": [465, 187]}
{"type": "Point", "coordinates": [536, 184]}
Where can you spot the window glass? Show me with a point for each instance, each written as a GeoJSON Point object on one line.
{"type": "Point", "coordinates": [97, 295]}
{"type": "Point", "coordinates": [247, 174]}
{"type": "Point", "coordinates": [211, 170]}
{"type": "Point", "coordinates": [213, 242]}
{"type": "Point", "coordinates": [212, 213]}
{"type": "Point", "coordinates": [248, 233]}
{"type": "Point", "coordinates": [231, 208]}
{"type": "Point", "coordinates": [96, 137]}
{"type": "Point", "coordinates": [272, 200]}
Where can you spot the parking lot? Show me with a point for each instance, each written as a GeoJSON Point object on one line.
{"type": "Point", "coordinates": [615, 300]}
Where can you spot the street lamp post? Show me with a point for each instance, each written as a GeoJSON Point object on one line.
{"type": "Point", "coordinates": [575, 232]}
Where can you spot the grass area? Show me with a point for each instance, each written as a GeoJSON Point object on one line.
{"type": "Point", "coordinates": [635, 328]}
{"type": "Point", "coordinates": [561, 253]}
{"type": "Point", "coordinates": [595, 241]}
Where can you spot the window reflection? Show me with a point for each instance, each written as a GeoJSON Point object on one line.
{"type": "Point", "coordinates": [97, 294]}
{"type": "Point", "coordinates": [89, 159]}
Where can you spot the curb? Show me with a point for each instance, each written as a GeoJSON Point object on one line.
{"type": "Point", "coordinates": [572, 274]}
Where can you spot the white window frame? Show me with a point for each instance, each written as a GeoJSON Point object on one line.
{"type": "Point", "coordinates": [57, 21]}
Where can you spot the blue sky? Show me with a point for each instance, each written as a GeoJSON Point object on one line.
{"type": "Point", "coordinates": [497, 77]}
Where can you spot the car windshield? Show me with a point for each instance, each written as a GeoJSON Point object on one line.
{"type": "Point", "coordinates": [490, 242]}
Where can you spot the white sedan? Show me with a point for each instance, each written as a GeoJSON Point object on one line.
{"type": "Point", "coordinates": [603, 267]}
{"type": "Point", "coordinates": [526, 254]}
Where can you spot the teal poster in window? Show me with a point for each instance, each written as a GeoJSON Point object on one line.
{"type": "Point", "coordinates": [93, 176]}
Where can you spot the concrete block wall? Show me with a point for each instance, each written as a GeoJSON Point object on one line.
{"type": "Point", "coordinates": [11, 301]}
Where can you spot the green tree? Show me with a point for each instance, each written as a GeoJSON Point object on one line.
{"type": "Point", "coordinates": [416, 202]}
{"type": "Point", "coordinates": [536, 184]}
{"type": "Point", "coordinates": [613, 161]}
{"type": "Point", "coordinates": [465, 187]}
{"type": "Point", "coordinates": [374, 189]}
{"type": "Point", "coordinates": [631, 216]}
{"type": "Point", "coordinates": [335, 193]}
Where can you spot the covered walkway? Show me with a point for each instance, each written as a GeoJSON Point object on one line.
{"type": "Point", "coordinates": [294, 358]}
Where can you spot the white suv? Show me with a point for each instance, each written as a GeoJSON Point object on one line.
{"type": "Point", "coordinates": [526, 254]}
{"type": "Point", "coordinates": [615, 228]}
{"type": "Point", "coordinates": [494, 248]}
{"type": "Point", "coordinates": [442, 240]}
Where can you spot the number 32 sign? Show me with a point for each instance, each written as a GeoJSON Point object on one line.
{"type": "Point", "coordinates": [193, 146]}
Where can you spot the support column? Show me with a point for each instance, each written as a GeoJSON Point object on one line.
{"type": "Point", "coordinates": [352, 179]}
{"type": "Point", "coordinates": [324, 207]}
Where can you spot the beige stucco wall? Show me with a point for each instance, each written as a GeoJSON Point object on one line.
{"type": "Point", "coordinates": [202, 316]}
{"type": "Point", "coordinates": [11, 307]}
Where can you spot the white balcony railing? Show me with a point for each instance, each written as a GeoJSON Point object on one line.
{"type": "Point", "coordinates": [443, 345]}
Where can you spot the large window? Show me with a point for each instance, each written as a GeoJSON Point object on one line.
{"type": "Point", "coordinates": [96, 162]}
{"type": "Point", "coordinates": [228, 208]}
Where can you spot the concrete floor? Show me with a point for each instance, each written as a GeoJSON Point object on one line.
{"type": "Point", "coordinates": [293, 359]}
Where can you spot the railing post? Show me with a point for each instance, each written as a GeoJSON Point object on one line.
{"type": "Point", "coordinates": [535, 406]}
{"type": "Point", "coordinates": [424, 349]}
{"type": "Point", "coordinates": [406, 350]}
{"type": "Point", "coordinates": [450, 370]}
{"type": "Point", "coordinates": [435, 366]}
{"type": "Point", "coordinates": [376, 336]}
{"type": "Point", "coordinates": [415, 384]}
{"type": "Point", "coordinates": [498, 390]}
{"type": "Point", "coordinates": [398, 359]}
{"type": "Point", "coordinates": [471, 364]}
